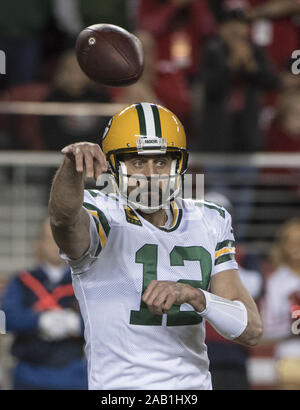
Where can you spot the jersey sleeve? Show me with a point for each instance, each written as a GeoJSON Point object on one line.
{"type": "Point", "coordinates": [96, 207]}
{"type": "Point", "coordinates": [224, 258]}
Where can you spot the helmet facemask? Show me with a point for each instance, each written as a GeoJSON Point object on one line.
{"type": "Point", "coordinates": [150, 194]}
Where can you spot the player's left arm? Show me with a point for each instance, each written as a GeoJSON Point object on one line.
{"type": "Point", "coordinates": [228, 307]}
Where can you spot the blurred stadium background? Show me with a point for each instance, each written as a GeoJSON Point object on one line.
{"type": "Point", "coordinates": [243, 122]}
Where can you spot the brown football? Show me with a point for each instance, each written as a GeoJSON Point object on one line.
{"type": "Point", "coordinates": [110, 55]}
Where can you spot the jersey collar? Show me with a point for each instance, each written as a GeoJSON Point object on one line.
{"type": "Point", "coordinates": [176, 212]}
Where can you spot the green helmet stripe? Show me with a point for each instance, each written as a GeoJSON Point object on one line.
{"type": "Point", "coordinates": [142, 120]}
{"type": "Point", "coordinates": [156, 121]}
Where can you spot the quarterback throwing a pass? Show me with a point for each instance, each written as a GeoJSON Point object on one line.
{"type": "Point", "coordinates": [148, 269]}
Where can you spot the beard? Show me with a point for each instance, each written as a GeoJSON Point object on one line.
{"type": "Point", "coordinates": [151, 199]}
{"type": "Point", "coordinates": [149, 192]}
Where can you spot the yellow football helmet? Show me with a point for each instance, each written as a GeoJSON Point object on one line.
{"type": "Point", "coordinates": [145, 129]}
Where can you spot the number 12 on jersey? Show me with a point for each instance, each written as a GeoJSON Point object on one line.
{"type": "Point", "coordinates": [148, 257]}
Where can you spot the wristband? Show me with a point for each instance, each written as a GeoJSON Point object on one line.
{"type": "Point", "coordinates": [227, 317]}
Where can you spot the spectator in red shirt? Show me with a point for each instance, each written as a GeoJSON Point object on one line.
{"type": "Point", "coordinates": [280, 306]}
{"type": "Point", "coordinates": [236, 73]}
{"type": "Point", "coordinates": [273, 24]}
{"type": "Point", "coordinates": [179, 27]}
{"type": "Point", "coordinates": [275, 28]}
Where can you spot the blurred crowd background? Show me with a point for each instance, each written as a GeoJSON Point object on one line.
{"type": "Point", "coordinates": [226, 68]}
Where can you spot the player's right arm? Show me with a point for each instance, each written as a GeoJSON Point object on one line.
{"type": "Point", "coordinates": [69, 220]}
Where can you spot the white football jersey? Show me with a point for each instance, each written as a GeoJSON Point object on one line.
{"type": "Point", "coordinates": [128, 347]}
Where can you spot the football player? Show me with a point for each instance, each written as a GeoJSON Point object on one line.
{"type": "Point", "coordinates": [147, 273]}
